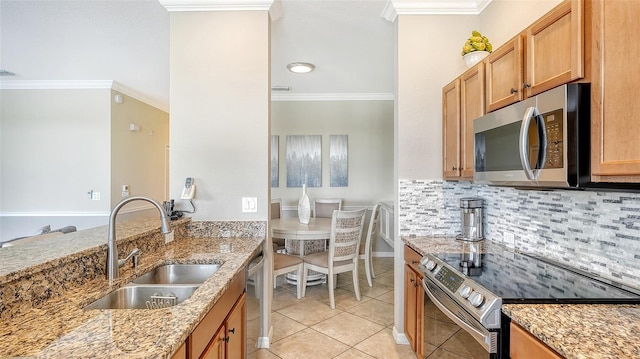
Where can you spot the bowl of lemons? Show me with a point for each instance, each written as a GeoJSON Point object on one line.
{"type": "Point", "coordinates": [476, 48]}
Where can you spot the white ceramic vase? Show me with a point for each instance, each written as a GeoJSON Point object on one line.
{"type": "Point", "coordinates": [474, 57]}
{"type": "Point", "coordinates": [304, 206]}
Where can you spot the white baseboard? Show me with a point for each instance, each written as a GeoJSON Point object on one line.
{"type": "Point", "coordinates": [400, 338]}
{"type": "Point", "coordinates": [263, 342]}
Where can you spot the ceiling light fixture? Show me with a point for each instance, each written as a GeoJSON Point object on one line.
{"type": "Point", "coordinates": [301, 67]}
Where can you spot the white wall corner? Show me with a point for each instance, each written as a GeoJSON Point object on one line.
{"type": "Point", "coordinates": [216, 5]}
{"type": "Point", "coordinates": [400, 338]}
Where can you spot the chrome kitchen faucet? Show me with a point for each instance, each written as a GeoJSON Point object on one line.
{"type": "Point", "coordinates": [113, 265]}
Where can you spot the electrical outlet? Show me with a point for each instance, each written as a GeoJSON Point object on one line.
{"type": "Point", "coordinates": [95, 196]}
{"type": "Point", "coordinates": [509, 239]}
{"type": "Point", "coordinates": [249, 204]}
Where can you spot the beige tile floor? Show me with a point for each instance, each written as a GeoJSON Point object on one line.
{"type": "Point", "coordinates": [309, 328]}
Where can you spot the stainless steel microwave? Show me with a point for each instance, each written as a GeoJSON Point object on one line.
{"type": "Point", "coordinates": [543, 141]}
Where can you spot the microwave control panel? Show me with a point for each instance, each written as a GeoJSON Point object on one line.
{"type": "Point", "coordinates": [555, 138]}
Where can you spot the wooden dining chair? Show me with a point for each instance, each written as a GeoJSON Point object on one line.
{"type": "Point", "coordinates": [342, 256]}
{"type": "Point", "coordinates": [276, 209]}
{"type": "Point", "coordinates": [324, 207]}
{"type": "Point", "coordinates": [372, 231]}
{"type": "Point", "coordinates": [285, 263]}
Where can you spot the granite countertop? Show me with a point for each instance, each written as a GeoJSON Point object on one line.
{"type": "Point", "coordinates": [62, 328]}
{"type": "Point", "coordinates": [576, 331]}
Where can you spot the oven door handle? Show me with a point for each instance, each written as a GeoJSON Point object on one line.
{"type": "Point", "coordinates": [476, 334]}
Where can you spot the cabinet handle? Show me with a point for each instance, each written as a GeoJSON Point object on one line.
{"type": "Point", "coordinates": [513, 90]}
{"type": "Point", "coordinates": [454, 168]}
{"type": "Point", "coordinates": [225, 339]}
{"type": "Point", "coordinates": [412, 280]}
{"type": "Point", "coordinates": [232, 330]}
{"type": "Point", "coordinates": [414, 262]}
{"type": "Point", "coordinates": [525, 85]}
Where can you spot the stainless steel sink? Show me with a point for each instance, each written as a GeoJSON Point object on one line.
{"type": "Point", "coordinates": [144, 297]}
{"type": "Point", "coordinates": [178, 274]}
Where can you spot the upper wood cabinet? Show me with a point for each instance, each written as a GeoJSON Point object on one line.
{"type": "Point", "coordinates": [615, 109]}
{"type": "Point", "coordinates": [554, 48]}
{"type": "Point", "coordinates": [504, 68]}
{"type": "Point", "coordinates": [462, 102]}
{"type": "Point", "coordinates": [451, 129]}
{"type": "Point", "coordinates": [547, 54]}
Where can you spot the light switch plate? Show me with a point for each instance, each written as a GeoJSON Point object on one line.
{"type": "Point", "coordinates": [249, 204]}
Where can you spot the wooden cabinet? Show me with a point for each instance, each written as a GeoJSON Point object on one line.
{"type": "Point", "coordinates": [462, 102]}
{"type": "Point", "coordinates": [181, 353]}
{"type": "Point", "coordinates": [413, 301]}
{"type": "Point", "coordinates": [615, 109]}
{"type": "Point", "coordinates": [554, 48]}
{"type": "Point", "coordinates": [547, 54]}
{"type": "Point", "coordinates": [451, 129]}
{"type": "Point", "coordinates": [228, 342]}
{"type": "Point", "coordinates": [504, 67]}
{"type": "Point", "coordinates": [220, 334]}
{"type": "Point", "coordinates": [523, 345]}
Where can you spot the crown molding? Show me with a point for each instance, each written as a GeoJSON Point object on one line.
{"type": "Point", "coordinates": [138, 96]}
{"type": "Point", "coordinates": [216, 5]}
{"type": "Point", "coordinates": [332, 97]}
{"type": "Point", "coordinates": [79, 85]}
{"type": "Point", "coordinates": [393, 8]}
{"type": "Point", "coordinates": [54, 84]}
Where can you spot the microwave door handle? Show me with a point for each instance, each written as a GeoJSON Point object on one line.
{"type": "Point", "coordinates": [542, 155]}
{"type": "Point", "coordinates": [523, 144]}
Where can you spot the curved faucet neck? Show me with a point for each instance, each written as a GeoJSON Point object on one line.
{"type": "Point", "coordinates": [113, 270]}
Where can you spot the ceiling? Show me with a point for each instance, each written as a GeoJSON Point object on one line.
{"type": "Point", "coordinates": [349, 41]}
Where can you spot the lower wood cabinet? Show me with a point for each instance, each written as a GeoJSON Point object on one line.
{"type": "Point", "coordinates": [523, 345]}
{"type": "Point", "coordinates": [413, 301]}
{"type": "Point", "coordinates": [221, 333]}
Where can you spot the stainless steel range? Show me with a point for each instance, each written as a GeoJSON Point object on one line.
{"type": "Point", "coordinates": [469, 289]}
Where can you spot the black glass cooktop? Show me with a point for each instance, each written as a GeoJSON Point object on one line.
{"type": "Point", "coordinates": [520, 278]}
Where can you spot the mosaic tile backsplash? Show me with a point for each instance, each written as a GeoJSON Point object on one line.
{"type": "Point", "coordinates": [598, 232]}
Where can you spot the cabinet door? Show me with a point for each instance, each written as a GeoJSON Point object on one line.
{"type": "Point", "coordinates": [554, 48]}
{"type": "Point", "coordinates": [504, 75]}
{"type": "Point", "coordinates": [615, 109]}
{"type": "Point", "coordinates": [472, 107]}
{"type": "Point", "coordinates": [523, 345]}
{"type": "Point", "coordinates": [236, 343]}
{"type": "Point", "coordinates": [451, 130]}
{"type": "Point", "coordinates": [215, 350]}
{"type": "Point", "coordinates": [410, 307]}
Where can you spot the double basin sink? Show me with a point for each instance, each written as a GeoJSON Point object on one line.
{"type": "Point", "coordinates": [161, 287]}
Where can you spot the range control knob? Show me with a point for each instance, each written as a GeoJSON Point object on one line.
{"type": "Point", "coordinates": [430, 265]}
{"type": "Point", "coordinates": [465, 291]}
{"type": "Point", "coordinates": [476, 299]}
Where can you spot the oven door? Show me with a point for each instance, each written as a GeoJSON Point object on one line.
{"type": "Point", "coordinates": [448, 328]}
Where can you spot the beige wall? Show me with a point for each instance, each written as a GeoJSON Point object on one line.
{"type": "Point", "coordinates": [138, 157]}
{"type": "Point", "coordinates": [55, 148]}
{"type": "Point", "coordinates": [369, 125]}
{"type": "Point", "coordinates": [220, 94]}
{"type": "Point", "coordinates": [428, 58]}
{"type": "Point", "coordinates": [58, 144]}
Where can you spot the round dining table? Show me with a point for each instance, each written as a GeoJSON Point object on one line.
{"type": "Point", "coordinates": [303, 239]}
